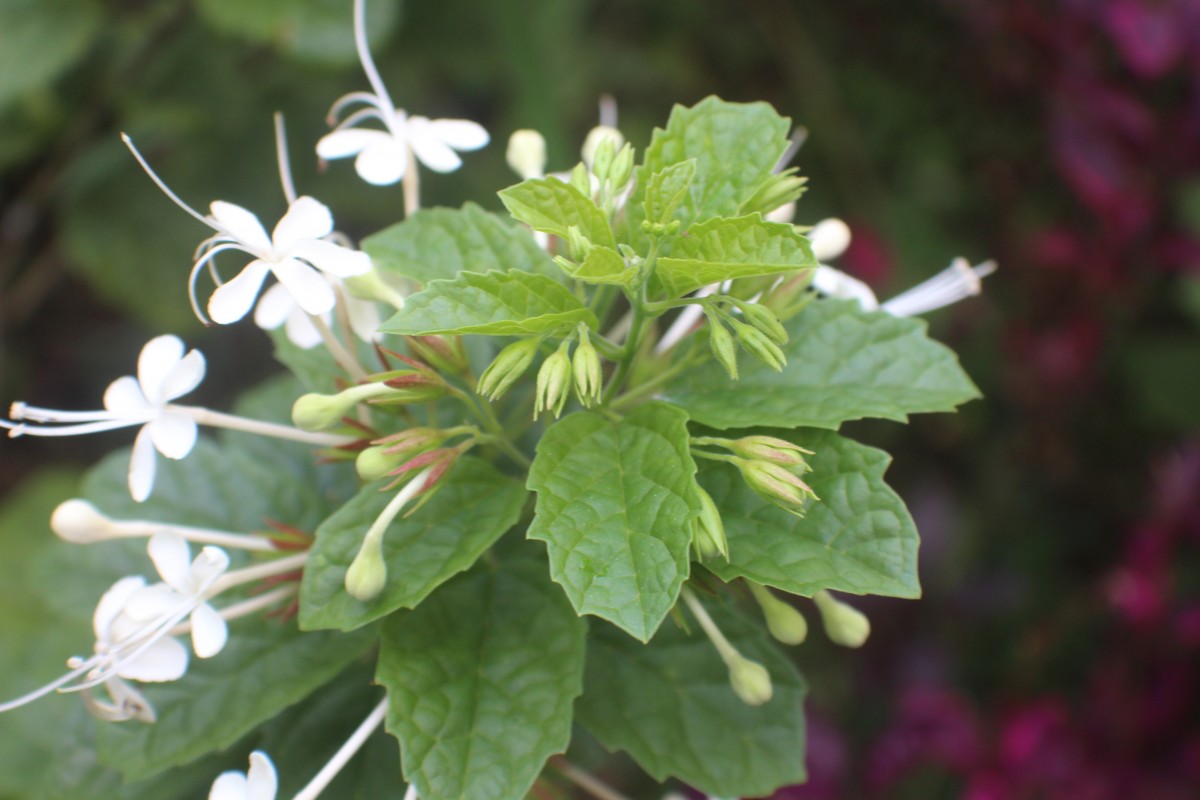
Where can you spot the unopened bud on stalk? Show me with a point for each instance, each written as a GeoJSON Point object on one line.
{"type": "Point", "coordinates": [708, 531]}
{"type": "Point", "coordinates": [596, 139]}
{"type": "Point", "coordinates": [750, 680]}
{"type": "Point", "coordinates": [411, 386]}
{"type": "Point", "coordinates": [776, 484]}
{"type": "Point", "coordinates": [317, 412]}
{"type": "Point", "coordinates": [80, 522]}
{"type": "Point", "coordinates": [767, 448]}
{"type": "Point", "coordinates": [578, 245]}
{"type": "Point", "coordinates": [585, 368]}
{"type": "Point", "coordinates": [376, 462]}
{"type": "Point", "coordinates": [443, 353]}
{"type": "Point", "coordinates": [830, 238]}
{"type": "Point", "coordinates": [784, 622]}
{"type": "Point", "coordinates": [765, 320]}
{"type": "Point", "coordinates": [759, 345]}
{"type": "Point", "coordinates": [554, 381]}
{"type": "Point", "coordinates": [526, 153]}
{"type": "Point", "coordinates": [368, 573]}
{"type": "Point", "coordinates": [844, 624]}
{"type": "Point", "coordinates": [622, 168]}
{"type": "Point", "coordinates": [371, 286]}
{"type": "Point", "coordinates": [508, 365]}
{"type": "Point", "coordinates": [581, 179]}
{"type": "Point", "coordinates": [722, 345]}
{"type": "Point", "coordinates": [602, 159]}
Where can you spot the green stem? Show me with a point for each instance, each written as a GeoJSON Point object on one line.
{"type": "Point", "coordinates": [652, 385]}
{"type": "Point", "coordinates": [633, 341]}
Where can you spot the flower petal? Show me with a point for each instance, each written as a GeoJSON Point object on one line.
{"type": "Point", "coordinates": [261, 779]}
{"type": "Point", "coordinates": [232, 300]}
{"type": "Point", "coordinates": [274, 307]}
{"type": "Point", "coordinates": [124, 396]}
{"type": "Point", "coordinates": [165, 660]}
{"type": "Point", "coordinates": [229, 786]}
{"type": "Point", "coordinates": [174, 434]}
{"type": "Point", "coordinates": [310, 291]}
{"type": "Point", "coordinates": [383, 162]}
{"type": "Point", "coordinates": [305, 219]}
{"type": "Point", "coordinates": [332, 258]}
{"type": "Point", "coordinates": [141, 466]}
{"type": "Point", "coordinates": [461, 134]}
{"type": "Point", "coordinates": [242, 225]}
{"type": "Point", "coordinates": [144, 606]}
{"type": "Point", "coordinates": [111, 603]}
{"type": "Point", "coordinates": [364, 318]}
{"type": "Point", "coordinates": [158, 358]}
{"type": "Point", "coordinates": [186, 376]}
{"type": "Point", "coordinates": [211, 562]}
{"type": "Point", "coordinates": [348, 142]}
{"type": "Point", "coordinates": [209, 631]}
{"type": "Point", "coordinates": [429, 149]}
{"type": "Point", "coordinates": [172, 559]}
{"type": "Point", "coordinates": [300, 329]}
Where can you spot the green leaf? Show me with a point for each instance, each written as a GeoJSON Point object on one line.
{"type": "Point", "coordinates": [551, 206]}
{"type": "Point", "coordinates": [857, 538]}
{"type": "Point", "coordinates": [603, 265]}
{"type": "Point", "coordinates": [615, 503]}
{"type": "Point", "coordinates": [670, 706]}
{"type": "Point", "coordinates": [499, 303]}
{"type": "Point", "coordinates": [843, 364]}
{"type": "Point", "coordinates": [666, 190]}
{"type": "Point", "coordinates": [481, 680]}
{"type": "Point", "coordinates": [472, 509]}
{"type": "Point", "coordinates": [735, 145]}
{"type": "Point", "coordinates": [439, 243]}
{"type": "Point", "coordinates": [739, 247]}
{"type": "Point", "coordinates": [311, 30]}
{"type": "Point", "coordinates": [40, 39]}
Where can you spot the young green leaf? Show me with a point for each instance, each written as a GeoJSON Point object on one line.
{"type": "Point", "coordinates": [472, 509]}
{"type": "Point", "coordinates": [666, 189]}
{"type": "Point", "coordinates": [551, 206]}
{"type": "Point", "coordinates": [858, 538]}
{"type": "Point", "coordinates": [604, 265]}
{"type": "Point", "coordinates": [509, 303]}
{"type": "Point", "coordinates": [842, 364]}
{"type": "Point", "coordinates": [737, 247]}
{"type": "Point", "coordinates": [615, 504]}
{"type": "Point", "coordinates": [669, 704]}
{"type": "Point", "coordinates": [735, 145]}
{"type": "Point", "coordinates": [439, 243]}
{"type": "Point", "coordinates": [481, 680]}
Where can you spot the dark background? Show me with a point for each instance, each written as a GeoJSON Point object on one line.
{"type": "Point", "coordinates": [1055, 652]}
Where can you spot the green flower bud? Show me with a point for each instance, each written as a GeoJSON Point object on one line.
{"type": "Point", "coordinates": [554, 382]}
{"type": "Point", "coordinates": [508, 365]}
{"type": "Point", "coordinates": [375, 462]}
{"type": "Point", "coordinates": [776, 484]}
{"type": "Point", "coordinates": [784, 622]}
{"type": "Point", "coordinates": [368, 573]}
{"type": "Point", "coordinates": [769, 448]}
{"type": "Point", "coordinates": [722, 346]}
{"type": "Point", "coordinates": [708, 531]}
{"type": "Point", "coordinates": [622, 168]}
{"type": "Point", "coordinates": [759, 345]}
{"type": "Point", "coordinates": [602, 159]}
{"type": "Point", "coordinates": [774, 192]}
{"type": "Point", "coordinates": [596, 138]}
{"type": "Point", "coordinates": [585, 368]}
{"type": "Point", "coordinates": [578, 245]}
{"type": "Point", "coordinates": [788, 298]}
{"type": "Point", "coordinates": [581, 179]}
{"type": "Point", "coordinates": [317, 412]}
{"type": "Point", "coordinates": [443, 353]}
{"type": "Point", "coordinates": [765, 320]}
{"type": "Point", "coordinates": [372, 286]}
{"type": "Point", "coordinates": [750, 680]}
{"type": "Point", "coordinates": [526, 153]}
{"type": "Point", "coordinates": [844, 624]}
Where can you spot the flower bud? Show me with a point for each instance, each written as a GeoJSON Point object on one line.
{"type": "Point", "coordinates": [375, 462]}
{"type": "Point", "coordinates": [622, 168]}
{"type": "Point", "coordinates": [443, 353]}
{"type": "Point", "coordinates": [722, 346]}
{"type": "Point", "coordinates": [526, 153]}
{"type": "Point", "coordinates": [509, 365]}
{"type": "Point", "coordinates": [765, 320]}
{"type": "Point", "coordinates": [602, 159]}
{"type": "Point", "coordinates": [769, 448]}
{"type": "Point", "coordinates": [776, 191]}
{"type": "Point", "coordinates": [844, 624]}
{"type": "Point", "coordinates": [80, 522]}
{"type": "Point", "coordinates": [776, 484]}
{"type": "Point", "coordinates": [317, 412]}
{"type": "Point", "coordinates": [708, 531]}
{"type": "Point", "coordinates": [585, 368]}
{"type": "Point", "coordinates": [581, 179]}
{"type": "Point", "coordinates": [371, 286]}
{"type": "Point", "coordinates": [554, 382]}
{"type": "Point", "coordinates": [577, 244]}
{"type": "Point", "coordinates": [759, 345]}
{"type": "Point", "coordinates": [830, 238]}
{"type": "Point", "coordinates": [750, 680]}
{"type": "Point", "coordinates": [368, 573]}
{"type": "Point", "coordinates": [784, 622]}
{"type": "Point", "coordinates": [596, 139]}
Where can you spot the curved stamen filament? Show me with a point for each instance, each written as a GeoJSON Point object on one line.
{"type": "Point", "coordinates": [342, 102]}
{"type": "Point", "coordinates": [72, 430]}
{"type": "Point", "coordinates": [281, 154]}
{"type": "Point", "coordinates": [364, 53]}
{"type": "Point", "coordinates": [162, 185]}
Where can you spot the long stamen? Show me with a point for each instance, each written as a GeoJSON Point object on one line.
{"type": "Point", "coordinates": [80, 668]}
{"type": "Point", "coordinates": [163, 186]}
{"type": "Point", "coordinates": [207, 259]}
{"type": "Point", "coordinates": [373, 109]}
{"type": "Point", "coordinates": [344, 753]}
{"type": "Point", "coordinates": [285, 167]}
{"type": "Point", "coordinates": [21, 429]}
{"type": "Point", "coordinates": [364, 53]}
{"type": "Point", "coordinates": [80, 522]}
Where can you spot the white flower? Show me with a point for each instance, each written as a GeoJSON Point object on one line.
{"type": "Point", "coordinates": [164, 374]}
{"type": "Point", "coordinates": [258, 783]}
{"type": "Point", "coordinates": [382, 156]}
{"type": "Point", "coordinates": [277, 307]}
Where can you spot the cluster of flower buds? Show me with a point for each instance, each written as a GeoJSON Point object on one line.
{"type": "Point", "coordinates": [770, 466]}
{"type": "Point", "coordinates": [759, 332]}
{"type": "Point", "coordinates": [507, 367]}
{"type": "Point", "coordinates": [708, 532]}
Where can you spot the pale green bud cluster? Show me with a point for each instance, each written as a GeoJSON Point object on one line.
{"type": "Point", "coordinates": [770, 466]}
{"type": "Point", "coordinates": [844, 624]}
{"type": "Point", "coordinates": [759, 345]}
{"type": "Point", "coordinates": [764, 448]}
{"type": "Point", "coordinates": [554, 382]}
{"type": "Point", "coordinates": [761, 334]}
{"type": "Point", "coordinates": [784, 622]}
{"type": "Point", "coordinates": [508, 365]}
{"type": "Point", "coordinates": [390, 452]}
{"type": "Point", "coordinates": [585, 369]}
{"type": "Point", "coordinates": [723, 348]}
{"type": "Point", "coordinates": [776, 484]}
{"type": "Point", "coordinates": [708, 532]}
{"type": "Point", "coordinates": [441, 352]}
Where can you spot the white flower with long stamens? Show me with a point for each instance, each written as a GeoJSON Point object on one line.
{"type": "Point", "coordinates": [382, 156]}
{"type": "Point", "coordinates": [164, 374]}
{"type": "Point", "coordinates": [257, 783]}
